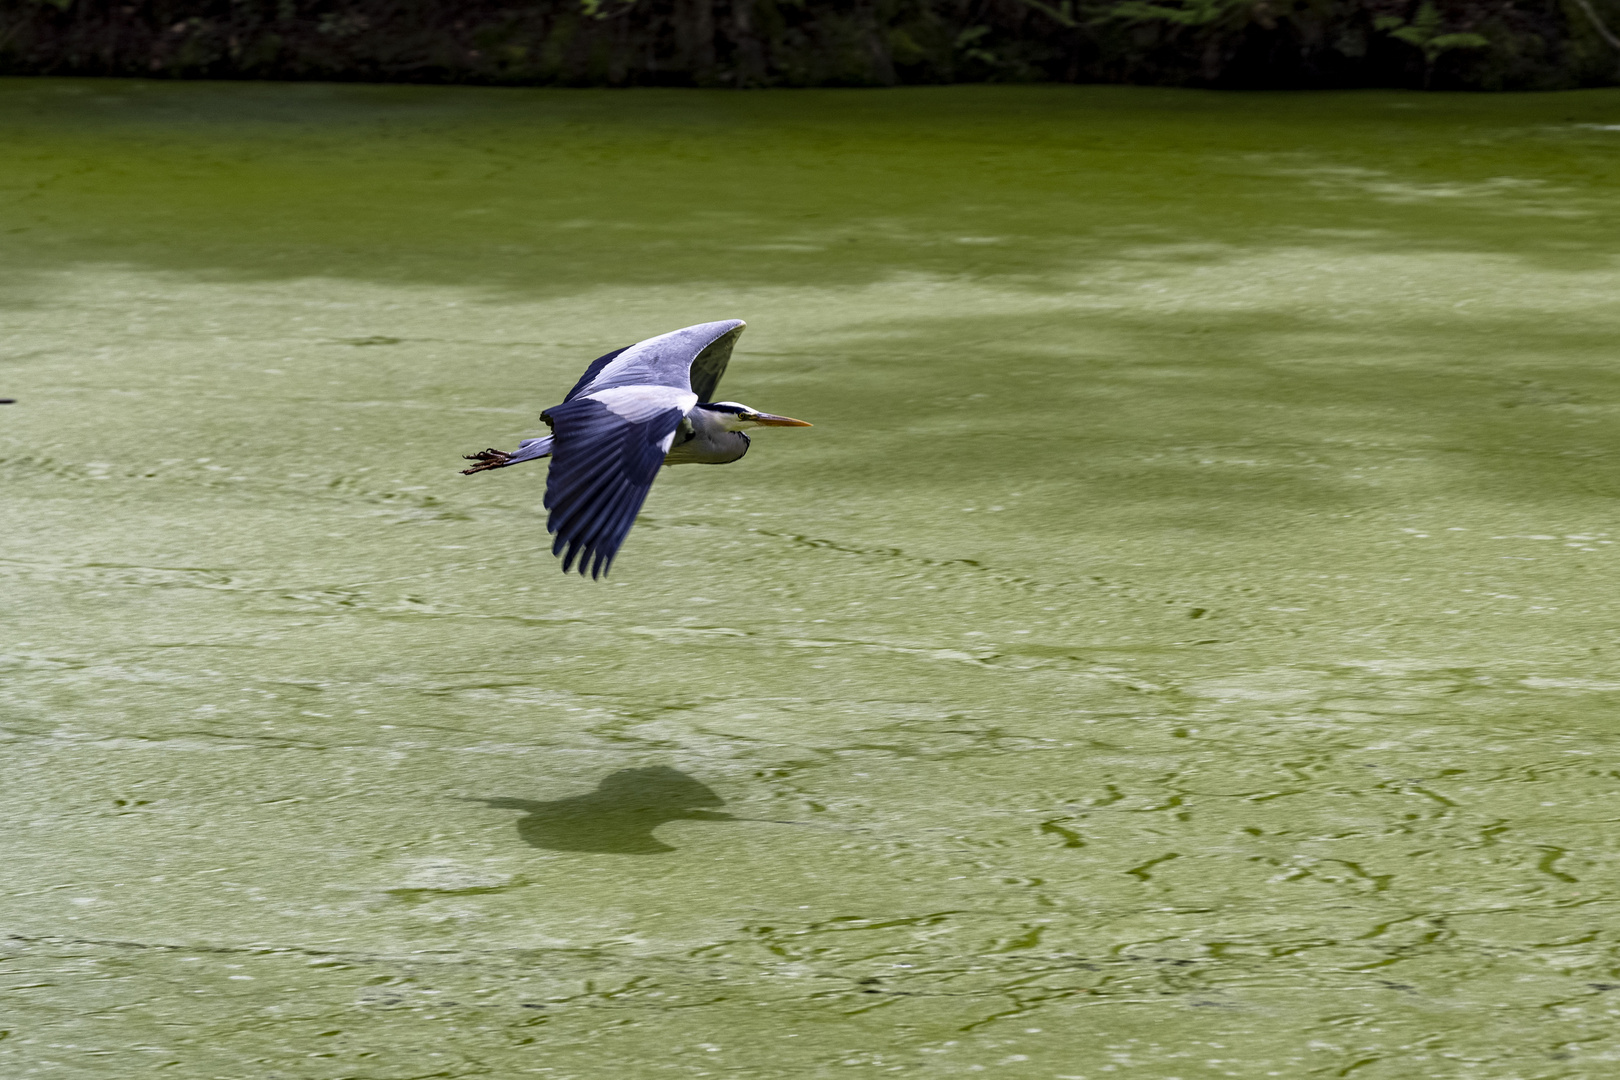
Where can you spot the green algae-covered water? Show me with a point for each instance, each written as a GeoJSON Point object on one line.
{"type": "Point", "coordinates": [1185, 646]}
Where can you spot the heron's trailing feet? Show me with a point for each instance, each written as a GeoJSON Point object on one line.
{"type": "Point", "coordinates": [487, 459]}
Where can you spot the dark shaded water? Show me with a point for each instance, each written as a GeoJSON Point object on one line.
{"type": "Point", "coordinates": [1184, 646]}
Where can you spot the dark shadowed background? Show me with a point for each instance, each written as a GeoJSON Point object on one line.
{"type": "Point", "coordinates": [1452, 44]}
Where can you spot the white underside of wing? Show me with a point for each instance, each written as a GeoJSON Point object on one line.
{"type": "Point", "coordinates": [638, 404]}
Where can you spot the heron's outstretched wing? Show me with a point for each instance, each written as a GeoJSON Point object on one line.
{"type": "Point", "coordinates": [606, 450]}
{"type": "Point", "coordinates": [692, 358]}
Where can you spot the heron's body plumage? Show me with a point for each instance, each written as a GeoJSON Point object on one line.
{"type": "Point", "coordinates": [632, 411]}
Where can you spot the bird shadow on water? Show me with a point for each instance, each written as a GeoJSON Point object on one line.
{"type": "Point", "coordinates": [619, 817]}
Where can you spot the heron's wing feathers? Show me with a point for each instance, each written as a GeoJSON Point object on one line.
{"type": "Point", "coordinates": [606, 451]}
{"type": "Point", "coordinates": [692, 358]}
{"type": "Point", "coordinates": [592, 372]}
{"type": "Point", "coordinates": [710, 364]}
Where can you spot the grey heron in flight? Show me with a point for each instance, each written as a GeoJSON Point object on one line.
{"type": "Point", "coordinates": [646, 405]}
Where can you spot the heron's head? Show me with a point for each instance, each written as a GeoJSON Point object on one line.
{"type": "Point", "coordinates": [735, 416]}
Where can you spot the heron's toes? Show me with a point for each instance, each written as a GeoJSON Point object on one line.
{"type": "Point", "coordinates": [487, 459]}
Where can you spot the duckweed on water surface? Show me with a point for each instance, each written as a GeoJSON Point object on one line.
{"type": "Point", "coordinates": [1184, 647]}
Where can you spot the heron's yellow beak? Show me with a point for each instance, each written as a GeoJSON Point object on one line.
{"type": "Point", "coordinates": [765, 419]}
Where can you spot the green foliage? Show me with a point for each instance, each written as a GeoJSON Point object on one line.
{"type": "Point", "coordinates": [1496, 44]}
{"type": "Point", "coordinates": [1424, 32]}
{"type": "Point", "coordinates": [1185, 13]}
{"type": "Point", "coordinates": [1063, 13]}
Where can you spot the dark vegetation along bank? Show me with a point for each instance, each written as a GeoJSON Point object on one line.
{"type": "Point", "coordinates": [1444, 44]}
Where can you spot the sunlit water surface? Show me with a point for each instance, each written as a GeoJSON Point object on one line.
{"type": "Point", "coordinates": [1184, 647]}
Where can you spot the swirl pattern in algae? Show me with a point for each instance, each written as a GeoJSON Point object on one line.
{"type": "Point", "coordinates": [1184, 647]}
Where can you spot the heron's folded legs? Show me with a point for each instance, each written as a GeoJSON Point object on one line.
{"type": "Point", "coordinates": [487, 459]}
{"type": "Point", "coordinates": [530, 450]}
